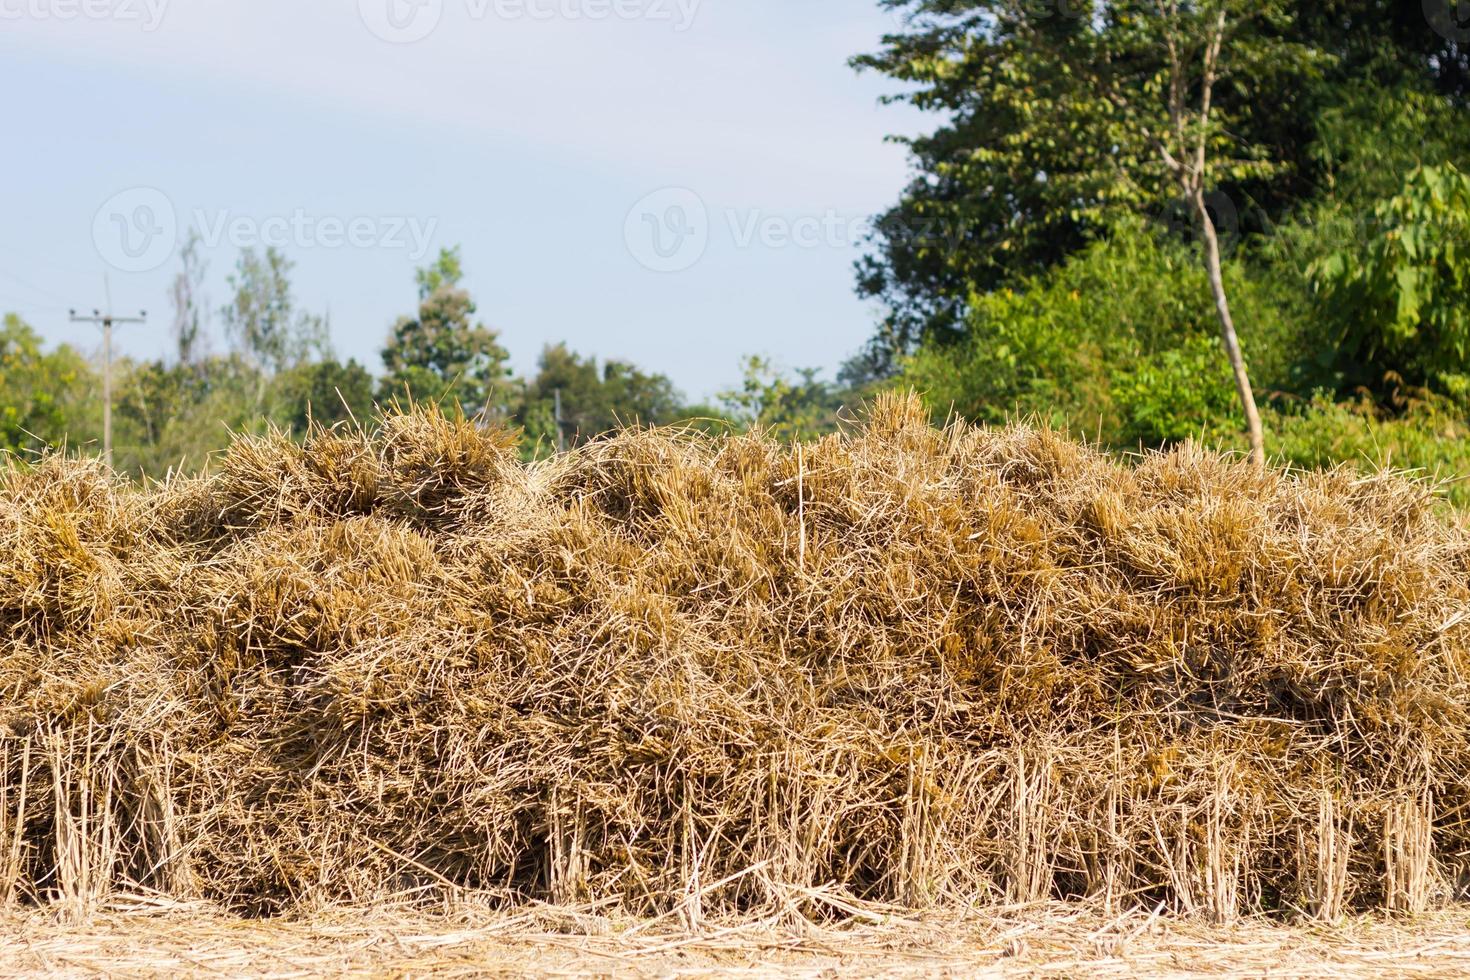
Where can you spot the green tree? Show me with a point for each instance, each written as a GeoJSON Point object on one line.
{"type": "Point", "coordinates": [325, 392]}
{"type": "Point", "coordinates": [44, 396]}
{"type": "Point", "coordinates": [442, 355]}
{"type": "Point", "coordinates": [1053, 117]}
{"type": "Point", "coordinates": [1063, 123]}
{"type": "Point", "coordinates": [189, 305]}
{"type": "Point", "coordinates": [1019, 170]}
{"type": "Point", "coordinates": [799, 407]}
{"type": "Point", "coordinates": [1204, 42]}
{"type": "Point", "coordinates": [594, 398]}
{"type": "Point", "coordinates": [446, 270]}
{"type": "Point", "coordinates": [262, 321]}
{"type": "Point", "coordinates": [1368, 142]}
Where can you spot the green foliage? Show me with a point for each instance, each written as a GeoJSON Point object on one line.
{"type": "Point", "coordinates": [1046, 110]}
{"type": "Point", "coordinates": [1399, 294]}
{"type": "Point", "coordinates": [1431, 437]}
{"type": "Point", "coordinates": [1016, 259]}
{"type": "Point", "coordinates": [594, 399]}
{"type": "Point", "coordinates": [1179, 393]}
{"type": "Point", "coordinates": [325, 392]}
{"type": "Point", "coordinates": [1121, 342]}
{"type": "Point", "coordinates": [185, 294]}
{"type": "Point", "coordinates": [41, 392]}
{"type": "Point", "coordinates": [262, 319]}
{"type": "Point", "coordinates": [1372, 136]}
{"type": "Point", "coordinates": [443, 356]}
{"type": "Point", "coordinates": [800, 407]}
{"type": "Point", "coordinates": [1056, 120]}
{"type": "Point", "coordinates": [446, 270]}
{"type": "Point", "coordinates": [151, 395]}
{"type": "Point", "coordinates": [173, 417]}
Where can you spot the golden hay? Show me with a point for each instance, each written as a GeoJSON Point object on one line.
{"type": "Point", "coordinates": [676, 674]}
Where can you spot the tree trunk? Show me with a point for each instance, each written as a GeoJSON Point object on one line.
{"type": "Point", "coordinates": [1227, 330]}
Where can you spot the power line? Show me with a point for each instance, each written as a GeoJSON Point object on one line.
{"type": "Point", "coordinates": [31, 286]}
{"type": "Point", "coordinates": [16, 304]}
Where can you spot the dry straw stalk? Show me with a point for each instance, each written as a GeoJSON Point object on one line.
{"type": "Point", "coordinates": [689, 677]}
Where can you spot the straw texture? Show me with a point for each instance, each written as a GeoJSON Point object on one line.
{"type": "Point", "coordinates": [689, 676]}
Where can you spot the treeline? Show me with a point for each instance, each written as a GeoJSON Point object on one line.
{"type": "Point", "coordinates": [278, 368]}
{"type": "Point", "coordinates": [1047, 259]}
{"type": "Point", "coordinates": [1104, 183]}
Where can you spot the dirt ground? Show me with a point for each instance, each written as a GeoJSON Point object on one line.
{"type": "Point", "coordinates": [1052, 942]}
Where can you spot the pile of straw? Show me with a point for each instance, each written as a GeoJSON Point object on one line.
{"type": "Point", "coordinates": [681, 675]}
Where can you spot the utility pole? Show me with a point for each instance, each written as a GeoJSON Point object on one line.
{"type": "Point", "coordinates": [561, 441]}
{"type": "Point", "coordinates": [107, 320]}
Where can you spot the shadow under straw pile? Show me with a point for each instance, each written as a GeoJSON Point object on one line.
{"type": "Point", "coordinates": [693, 676]}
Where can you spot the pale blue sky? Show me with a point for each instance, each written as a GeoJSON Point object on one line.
{"type": "Point", "coordinates": [527, 130]}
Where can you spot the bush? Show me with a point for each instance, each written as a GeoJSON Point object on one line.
{"type": "Point", "coordinates": [1120, 342]}
{"type": "Point", "coordinates": [42, 391]}
{"type": "Point", "coordinates": [1398, 292]}
{"type": "Point", "coordinates": [1430, 437]}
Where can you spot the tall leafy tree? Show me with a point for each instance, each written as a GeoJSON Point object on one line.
{"type": "Point", "coordinates": [1027, 160]}
{"type": "Point", "coordinates": [1204, 43]}
{"type": "Point", "coordinates": [262, 321]}
{"type": "Point", "coordinates": [443, 354]}
{"type": "Point", "coordinates": [187, 296]}
{"type": "Point", "coordinates": [595, 398]}
{"type": "Point", "coordinates": [1061, 124]}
